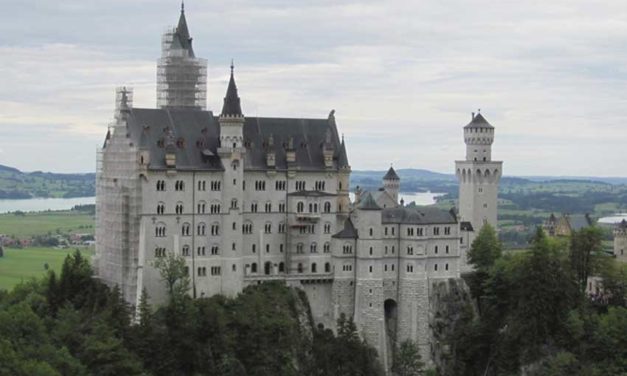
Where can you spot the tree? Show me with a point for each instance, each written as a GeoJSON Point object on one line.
{"type": "Point", "coordinates": [585, 248]}
{"type": "Point", "coordinates": [485, 249]}
{"type": "Point", "coordinates": [407, 360]}
{"type": "Point", "coordinates": [173, 270]}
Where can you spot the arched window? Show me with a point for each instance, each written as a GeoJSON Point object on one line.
{"type": "Point", "coordinates": [201, 229]}
{"type": "Point", "coordinates": [253, 267]}
{"type": "Point", "coordinates": [185, 251]}
{"type": "Point", "coordinates": [185, 229]}
{"type": "Point", "coordinates": [281, 267]}
{"type": "Point", "coordinates": [313, 247]}
{"type": "Point", "coordinates": [314, 268]}
{"type": "Point", "coordinates": [327, 267]}
{"type": "Point", "coordinates": [179, 208]}
{"type": "Point", "coordinates": [327, 247]}
{"type": "Point", "coordinates": [299, 247]}
{"type": "Point", "coordinates": [327, 207]}
{"type": "Point", "coordinates": [300, 207]}
{"type": "Point", "coordinates": [160, 208]}
{"type": "Point", "coordinates": [267, 268]}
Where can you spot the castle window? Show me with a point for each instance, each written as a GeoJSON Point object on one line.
{"type": "Point", "coordinates": [446, 267]}
{"type": "Point", "coordinates": [392, 267]}
{"type": "Point", "coordinates": [185, 251]}
{"type": "Point", "coordinates": [371, 251]}
{"type": "Point", "coordinates": [179, 208]}
{"type": "Point", "coordinates": [233, 248]}
{"type": "Point", "coordinates": [202, 271]}
{"type": "Point", "coordinates": [215, 208]}
{"type": "Point", "coordinates": [267, 248]}
{"type": "Point", "coordinates": [393, 231]}
{"type": "Point", "coordinates": [327, 228]}
{"type": "Point", "coordinates": [410, 268]}
{"type": "Point", "coordinates": [320, 185]}
{"type": "Point", "coordinates": [393, 249]}
{"type": "Point", "coordinates": [447, 230]}
{"type": "Point", "coordinates": [347, 249]}
{"type": "Point", "coordinates": [253, 207]}
{"type": "Point", "coordinates": [216, 185]}
{"type": "Point", "coordinates": [160, 185]}
{"type": "Point", "coordinates": [260, 185]}
{"type": "Point", "coordinates": [202, 207]}
{"type": "Point", "coordinates": [160, 231]}
{"type": "Point", "coordinates": [216, 270]}
{"type": "Point", "coordinates": [327, 207]}
{"type": "Point", "coordinates": [435, 267]}
{"type": "Point", "coordinates": [179, 185]}
{"type": "Point", "coordinates": [253, 267]}
{"type": "Point", "coordinates": [436, 249]}
{"type": "Point", "coordinates": [371, 231]}
{"type": "Point", "coordinates": [386, 231]}
{"type": "Point", "coordinates": [282, 228]}
{"type": "Point", "coordinates": [300, 185]}
{"type": "Point", "coordinates": [185, 229]}
{"type": "Point", "coordinates": [247, 228]}
{"type": "Point", "coordinates": [233, 267]}
{"type": "Point", "coordinates": [268, 228]}
{"type": "Point", "coordinates": [186, 270]}
{"type": "Point", "coordinates": [281, 267]}
{"type": "Point", "coordinates": [327, 267]}
{"type": "Point", "coordinates": [327, 247]}
{"type": "Point", "coordinates": [215, 229]}
{"type": "Point", "coordinates": [419, 231]}
{"type": "Point", "coordinates": [386, 249]}
{"type": "Point", "coordinates": [280, 185]}
{"type": "Point", "coordinates": [300, 207]}
{"type": "Point", "coordinates": [299, 248]}
{"type": "Point", "coordinates": [370, 269]}
{"type": "Point", "coordinates": [436, 231]}
{"type": "Point", "coordinates": [200, 229]}
{"type": "Point", "coordinates": [202, 185]}
{"type": "Point", "coordinates": [281, 247]}
{"type": "Point", "coordinates": [300, 267]}
{"type": "Point", "coordinates": [313, 248]}
{"type": "Point", "coordinates": [410, 250]}
{"type": "Point", "coordinates": [200, 251]}
{"type": "Point", "coordinates": [234, 203]}
{"type": "Point", "coordinates": [447, 249]}
{"type": "Point", "coordinates": [268, 207]}
{"type": "Point", "coordinates": [215, 250]}
{"type": "Point", "coordinates": [314, 268]}
{"type": "Point", "coordinates": [281, 207]}
{"type": "Point", "coordinates": [160, 252]}
{"type": "Point", "coordinates": [160, 208]}
{"type": "Point", "coordinates": [267, 268]}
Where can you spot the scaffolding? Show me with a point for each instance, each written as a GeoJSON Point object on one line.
{"type": "Point", "coordinates": [118, 202]}
{"type": "Point", "coordinates": [181, 77]}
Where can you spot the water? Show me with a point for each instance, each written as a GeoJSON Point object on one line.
{"type": "Point", "coordinates": [43, 204]}
{"type": "Point", "coordinates": [617, 218]}
{"type": "Point", "coordinates": [421, 198]}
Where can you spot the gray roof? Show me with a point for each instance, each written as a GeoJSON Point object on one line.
{"type": "Point", "coordinates": [196, 134]}
{"type": "Point", "coordinates": [466, 226]}
{"type": "Point", "coordinates": [349, 231]}
{"type": "Point", "coordinates": [578, 221]}
{"type": "Point", "coordinates": [478, 121]}
{"type": "Point", "coordinates": [231, 105]}
{"type": "Point", "coordinates": [182, 39]}
{"type": "Point", "coordinates": [368, 203]}
{"type": "Point", "coordinates": [420, 215]}
{"type": "Point", "coordinates": [391, 175]}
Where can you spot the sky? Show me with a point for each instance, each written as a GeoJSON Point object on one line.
{"type": "Point", "coordinates": [403, 76]}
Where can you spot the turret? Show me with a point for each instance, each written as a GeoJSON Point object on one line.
{"type": "Point", "coordinates": [620, 241]}
{"type": "Point", "coordinates": [392, 184]}
{"type": "Point", "coordinates": [478, 136]}
{"type": "Point", "coordinates": [231, 120]}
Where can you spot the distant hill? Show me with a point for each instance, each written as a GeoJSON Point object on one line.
{"type": "Point", "coordinates": [15, 184]}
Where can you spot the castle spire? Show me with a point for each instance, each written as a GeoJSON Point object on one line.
{"type": "Point", "coordinates": [182, 32]}
{"type": "Point", "coordinates": [232, 105]}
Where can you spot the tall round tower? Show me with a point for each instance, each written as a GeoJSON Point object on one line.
{"type": "Point", "coordinates": [478, 175]}
{"type": "Point", "coordinates": [620, 241]}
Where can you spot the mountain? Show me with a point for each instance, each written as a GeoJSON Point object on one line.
{"type": "Point", "coordinates": [15, 184]}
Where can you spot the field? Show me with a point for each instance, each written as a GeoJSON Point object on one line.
{"type": "Point", "coordinates": [41, 223]}
{"type": "Point", "coordinates": [19, 265]}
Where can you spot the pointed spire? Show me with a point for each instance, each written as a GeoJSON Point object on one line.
{"type": "Point", "coordinates": [391, 175]}
{"type": "Point", "coordinates": [231, 105]}
{"type": "Point", "coordinates": [182, 32]}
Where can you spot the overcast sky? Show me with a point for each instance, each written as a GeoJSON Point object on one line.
{"type": "Point", "coordinates": [403, 76]}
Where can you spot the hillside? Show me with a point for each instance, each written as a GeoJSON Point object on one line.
{"type": "Point", "coordinates": [15, 184]}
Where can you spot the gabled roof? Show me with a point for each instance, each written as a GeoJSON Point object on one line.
{"type": "Point", "coordinates": [368, 203]}
{"type": "Point", "coordinates": [391, 175]}
{"type": "Point", "coordinates": [349, 231]}
{"type": "Point", "coordinates": [478, 121]}
{"type": "Point", "coordinates": [466, 226]}
{"type": "Point", "coordinates": [231, 105]}
{"type": "Point", "coordinates": [578, 221]}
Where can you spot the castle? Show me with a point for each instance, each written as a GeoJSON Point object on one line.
{"type": "Point", "coordinates": [251, 199]}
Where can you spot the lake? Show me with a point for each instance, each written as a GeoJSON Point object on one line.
{"type": "Point", "coordinates": [420, 198]}
{"type": "Point", "coordinates": [43, 204]}
{"type": "Point", "coordinates": [612, 220]}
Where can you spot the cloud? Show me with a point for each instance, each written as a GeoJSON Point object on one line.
{"type": "Point", "coordinates": [402, 76]}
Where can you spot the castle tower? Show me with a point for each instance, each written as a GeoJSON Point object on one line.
{"type": "Point", "coordinates": [181, 76]}
{"type": "Point", "coordinates": [478, 175]}
{"type": "Point", "coordinates": [620, 242]}
{"type": "Point", "coordinates": [392, 184]}
{"type": "Point", "coordinates": [231, 151]}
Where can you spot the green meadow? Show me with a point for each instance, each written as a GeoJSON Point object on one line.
{"type": "Point", "coordinates": [19, 265]}
{"type": "Point", "coordinates": [40, 223]}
